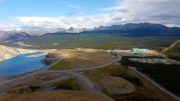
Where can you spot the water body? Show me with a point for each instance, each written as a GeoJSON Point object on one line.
{"type": "Point", "coordinates": [21, 64]}
{"type": "Point", "coordinates": [49, 88]}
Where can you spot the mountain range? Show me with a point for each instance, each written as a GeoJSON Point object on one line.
{"type": "Point", "coordinates": [140, 29]}
{"type": "Point", "coordinates": [130, 29]}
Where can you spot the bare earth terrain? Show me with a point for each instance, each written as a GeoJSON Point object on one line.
{"type": "Point", "coordinates": [73, 59]}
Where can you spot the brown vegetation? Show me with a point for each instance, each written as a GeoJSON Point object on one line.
{"type": "Point", "coordinates": [81, 59]}
{"type": "Point", "coordinates": [55, 96]}
{"type": "Point", "coordinates": [116, 86]}
{"type": "Point", "coordinates": [48, 76]}
{"type": "Point", "coordinates": [143, 90]}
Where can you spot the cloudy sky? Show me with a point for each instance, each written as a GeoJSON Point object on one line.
{"type": "Point", "coordinates": [52, 14]}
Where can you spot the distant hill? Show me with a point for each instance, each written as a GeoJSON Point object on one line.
{"type": "Point", "coordinates": [13, 35]}
{"type": "Point", "coordinates": [139, 29]}
{"type": "Point", "coordinates": [142, 35]}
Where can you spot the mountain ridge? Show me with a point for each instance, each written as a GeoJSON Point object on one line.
{"type": "Point", "coordinates": [140, 29]}
{"type": "Point", "coordinates": [129, 29]}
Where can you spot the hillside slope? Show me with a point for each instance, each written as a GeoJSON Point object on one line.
{"type": "Point", "coordinates": [173, 51]}
{"type": "Point", "coordinates": [171, 47]}
{"type": "Point", "coordinates": [10, 52]}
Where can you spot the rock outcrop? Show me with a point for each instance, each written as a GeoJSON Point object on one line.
{"type": "Point", "coordinates": [50, 58]}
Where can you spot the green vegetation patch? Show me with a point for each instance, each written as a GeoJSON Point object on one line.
{"type": "Point", "coordinates": [63, 64]}
{"type": "Point", "coordinates": [69, 84]}
{"type": "Point", "coordinates": [100, 41]}
{"type": "Point", "coordinates": [24, 89]}
{"type": "Point", "coordinates": [167, 75]}
{"type": "Point", "coordinates": [117, 71]}
{"type": "Point", "coordinates": [175, 53]}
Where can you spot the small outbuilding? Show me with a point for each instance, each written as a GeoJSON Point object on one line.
{"type": "Point", "coordinates": [139, 51]}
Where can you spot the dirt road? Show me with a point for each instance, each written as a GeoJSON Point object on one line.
{"type": "Point", "coordinates": [163, 90]}
{"type": "Point", "coordinates": [85, 83]}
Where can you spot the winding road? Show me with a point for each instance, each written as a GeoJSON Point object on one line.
{"type": "Point", "coordinates": [84, 82]}
{"type": "Point", "coordinates": [163, 90]}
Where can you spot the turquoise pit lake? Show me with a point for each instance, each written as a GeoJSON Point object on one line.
{"type": "Point", "coordinates": [22, 64]}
